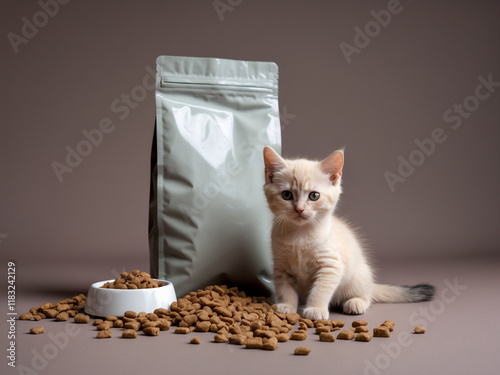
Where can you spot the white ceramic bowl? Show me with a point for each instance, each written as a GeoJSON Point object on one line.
{"type": "Point", "coordinates": [105, 301]}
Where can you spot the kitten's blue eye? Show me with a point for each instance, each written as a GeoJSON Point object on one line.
{"type": "Point", "coordinates": [287, 195]}
{"type": "Point", "coordinates": [314, 196]}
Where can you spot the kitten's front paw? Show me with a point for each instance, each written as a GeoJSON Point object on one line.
{"type": "Point", "coordinates": [286, 308]}
{"type": "Point", "coordinates": [355, 306]}
{"type": "Point", "coordinates": [315, 313]}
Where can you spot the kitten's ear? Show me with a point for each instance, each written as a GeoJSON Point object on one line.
{"type": "Point", "coordinates": [332, 166]}
{"type": "Point", "coordinates": [273, 163]}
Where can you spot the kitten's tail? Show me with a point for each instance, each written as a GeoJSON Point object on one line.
{"type": "Point", "coordinates": [402, 294]}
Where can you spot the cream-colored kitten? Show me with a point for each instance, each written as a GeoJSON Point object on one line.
{"type": "Point", "coordinates": [318, 260]}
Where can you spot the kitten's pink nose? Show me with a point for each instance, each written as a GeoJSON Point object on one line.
{"type": "Point", "coordinates": [299, 210]}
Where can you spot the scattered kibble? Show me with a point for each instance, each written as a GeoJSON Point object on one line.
{"type": "Point", "coordinates": [82, 318]}
{"type": "Point", "coordinates": [345, 334]}
{"type": "Point", "coordinates": [363, 336]}
{"type": "Point", "coordinates": [129, 334]}
{"type": "Point", "coordinates": [254, 343]}
{"type": "Point", "coordinates": [231, 316]}
{"type": "Point", "coordinates": [37, 330]}
{"type": "Point", "coordinates": [299, 335]}
{"type": "Point", "coordinates": [270, 343]}
{"type": "Point", "coordinates": [106, 334]}
{"type": "Point", "coordinates": [182, 330]}
{"type": "Point", "coordinates": [381, 331]}
{"type": "Point", "coordinates": [361, 329]}
{"type": "Point", "coordinates": [151, 331]}
{"type": "Point", "coordinates": [26, 316]}
{"type": "Point", "coordinates": [195, 340]}
{"type": "Point", "coordinates": [326, 337]}
{"type": "Point", "coordinates": [302, 350]}
{"type": "Point", "coordinates": [358, 323]}
{"type": "Point", "coordinates": [419, 330]}
{"type": "Point", "coordinates": [62, 316]}
{"type": "Point", "coordinates": [389, 324]}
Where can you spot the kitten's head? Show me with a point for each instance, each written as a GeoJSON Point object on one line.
{"type": "Point", "coordinates": [302, 191]}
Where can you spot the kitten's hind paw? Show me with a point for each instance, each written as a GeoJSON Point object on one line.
{"type": "Point", "coordinates": [286, 308]}
{"type": "Point", "coordinates": [315, 313]}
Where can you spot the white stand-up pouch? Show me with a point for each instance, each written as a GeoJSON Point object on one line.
{"type": "Point", "coordinates": [209, 222]}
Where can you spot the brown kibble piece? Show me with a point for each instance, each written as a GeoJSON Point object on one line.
{"type": "Point", "coordinates": [164, 324]}
{"type": "Point", "coordinates": [202, 326]}
{"type": "Point", "coordinates": [307, 322]}
{"type": "Point", "coordinates": [82, 318]}
{"type": "Point", "coordinates": [130, 314]}
{"type": "Point", "coordinates": [195, 340]}
{"type": "Point", "coordinates": [283, 337]}
{"type": "Point", "coordinates": [419, 330]}
{"type": "Point", "coordinates": [326, 337]}
{"type": "Point", "coordinates": [26, 316]}
{"type": "Point", "coordinates": [161, 311]}
{"type": "Point", "coordinates": [151, 331]}
{"type": "Point", "coordinates": [358, 323]}
{"type": "Point", "coordinates": [361, 329]}
{"type": "Point", "coordinates": [345, 334]}
{"type": "Point", "coordinates": [97, 322]}
{"type": "Point", "coordinates": [104, 326]}
{"type": "Point", "coordinates": [152, 316]}
{"type": "Point", "coordinates": [129, 334]}
{"type": "Point", "coordinates": [51, 313]}
{"type": "Point", "coordinates": [106, 334]}
{"type": "Point", "coordinates": [37, 330]}
{"type": "Point", "coordinates": [62, 316]}
{"type": "Point", "coordinates": [182, 330]}
{"type": "Point", "coordinates": [256, 325]}
{"type": "Point", "coordinates": [63, 307]}
{"type": "Point", "coordinates": [338, 323]}
{"type": "Point", "coordinates": [298, 335]}
{"type": "Point", "coordinates": [238, 339]}
{"type": "Point", "coordinates": [302, 350]}
{"type": "Point", "coordinates": [190, 319]}
{"type": "Point", "coordinates": [148, 324]}
{"type": "Point", "coordinates": [254, 343]}
{"type": "Point", "coordinates": [323, 329]}
{"type": "Point", "coordinates": [389, 324]}
{"type": "Point", "coordinates": [118, 323]}
{"type": "Point", "coordinates": [292, 318]}
{"type": "Point", "coordinates": [363, 336]}
{"type": "Point", "coordinates": [111, 318]}
{"type": "Point", "coordinates": [264, 333]}
{"type": "Point", "coordinates": [221, 338]}
{"type": "Point", "coordinates": [47, 306]}
{"type": "Point", "coordinates": [381, 332]}
{"type": "Point", "coordinates": [132, 325]}
{"type": "Point", "coordinates": [270, 343]}
{"type": "Point", "coordinates": [323, 323]}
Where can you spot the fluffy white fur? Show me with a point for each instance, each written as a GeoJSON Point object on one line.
{"type": "Point", "coordinates": [317, 258]}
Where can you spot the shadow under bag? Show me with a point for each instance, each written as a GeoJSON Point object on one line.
{"type": "Point", "coordinates": [208, 218]}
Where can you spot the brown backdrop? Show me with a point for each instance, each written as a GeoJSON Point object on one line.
{"type": "Point", "coordinates": [377, 95]}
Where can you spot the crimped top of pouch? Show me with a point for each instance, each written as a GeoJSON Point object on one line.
{"type": "Point", "coordinates": [200, 70]}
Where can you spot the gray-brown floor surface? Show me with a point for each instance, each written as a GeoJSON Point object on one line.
{"type": "Point", "coordinates": [463, 334]}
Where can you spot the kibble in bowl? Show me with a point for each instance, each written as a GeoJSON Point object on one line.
{"type": "Point", "coordinates": [111, 301]}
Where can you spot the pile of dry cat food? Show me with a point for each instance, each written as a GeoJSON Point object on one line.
{"type": "Point", "coordinates": [61, 311]}
{"type": "Point", "coordinates": [230, 314]}
{"type": "Point", "coordinates": [133, 280]}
